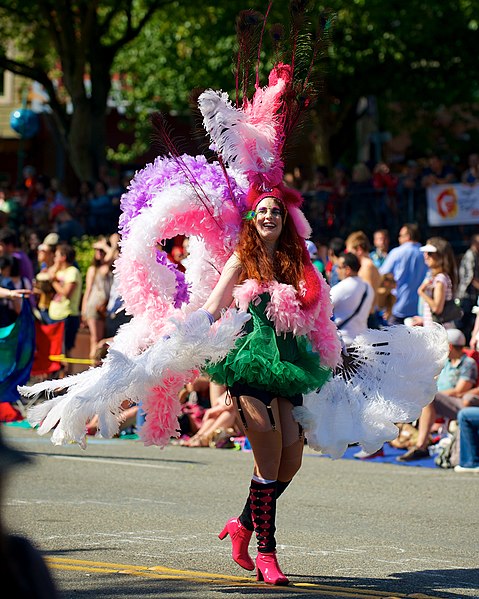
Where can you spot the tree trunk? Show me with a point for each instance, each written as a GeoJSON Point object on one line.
{"type": "Point", "coordinates": [79, 141]}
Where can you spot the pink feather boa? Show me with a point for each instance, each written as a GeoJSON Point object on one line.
{"type": "Point", "coordinates": [286, 310]}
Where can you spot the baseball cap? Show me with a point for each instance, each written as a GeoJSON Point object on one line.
{"type": "Point", "coordinates": [456, 337]}
{"type": "Point", "coordinates": [429, 248]}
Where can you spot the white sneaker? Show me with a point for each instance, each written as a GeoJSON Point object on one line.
{"type": "Point", "coordinates": [462, 469]}
{"type": "Point", "coordinates": [364, 455]}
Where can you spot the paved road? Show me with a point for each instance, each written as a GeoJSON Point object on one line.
{"type": "Point", "coordinates": [123, 520]}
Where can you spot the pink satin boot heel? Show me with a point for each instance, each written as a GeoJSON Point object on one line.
{"type": "Point", "coordinates": [267, 569]}
{"type": "Point", "coordinates": [240, 538]}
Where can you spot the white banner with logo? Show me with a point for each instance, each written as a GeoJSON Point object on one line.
{"type": "Point", "coordinates": [453, 204]}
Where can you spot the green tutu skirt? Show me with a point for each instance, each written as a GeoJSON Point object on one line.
{"type": "Point", "coordinates": [281, 364]}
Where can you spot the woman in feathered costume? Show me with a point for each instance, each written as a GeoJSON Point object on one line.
{"type": "Point", "coordinates": [279, 342]}
{"type": "Point", "coordinates": [273, 363]}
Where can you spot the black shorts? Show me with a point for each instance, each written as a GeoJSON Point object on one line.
{"type": "Point", "coordinates": [266, 397]}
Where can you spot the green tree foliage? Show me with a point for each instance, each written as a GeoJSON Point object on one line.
{"type": "Point", "coordinates": [418, 55]}
{"type": "Point", "coordinates": [69, 47]}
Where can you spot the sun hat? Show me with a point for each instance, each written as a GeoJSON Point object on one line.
{"type": "Point", "coordinates": [429, 248]}
{"type": "Point", "coordinates": [52, 239]}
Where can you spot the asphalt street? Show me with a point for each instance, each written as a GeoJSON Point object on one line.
{"type": "Point", "coordinates": [124, 520]}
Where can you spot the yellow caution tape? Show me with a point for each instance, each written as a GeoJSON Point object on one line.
{"type": "Point", "coordinates": [63, 358]}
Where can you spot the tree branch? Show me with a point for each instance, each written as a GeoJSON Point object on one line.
{"type": "Point", "coordinates": [39, 75]}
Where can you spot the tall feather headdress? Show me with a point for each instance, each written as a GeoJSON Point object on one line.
{"type": "Point", "coordinates": [250, 137]}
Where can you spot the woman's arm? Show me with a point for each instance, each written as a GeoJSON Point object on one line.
{"type": "Point", "coordinates": [14, 293]}
{"type": "Point", "coordinates": [222, 295]}
{"type": "Point", "coordinates": [436, 302]}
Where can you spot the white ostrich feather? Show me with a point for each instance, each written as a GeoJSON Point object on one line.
{"type": "Point", "coordinates": [102, 390]}
{"type": "Point", "coordinates": [389, 377]}
{"type": "Point", "coordinates": [243, 144]}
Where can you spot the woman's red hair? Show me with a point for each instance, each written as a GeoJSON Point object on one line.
{"type": "Point", "coordinates": [287, 263]}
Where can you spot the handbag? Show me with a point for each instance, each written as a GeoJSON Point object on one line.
{"type": "Point", "coordinates": [451, 311]}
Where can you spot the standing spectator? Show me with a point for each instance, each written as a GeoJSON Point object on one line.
{"type": "Point", "coordinates": [385, 182]}
{"type": "Point", "coordinates": [352, 299]}
{"type": "Point", "coordinates": [97, 292]}
{"type": "Point", "coordinates": [437, 172]}
{"type": "Point", "coordinates": [406, 264]}
{"type": "Point", "coordinates": [66, 281]}
{"type": "Point", "coordinates": [335, 248]}
{"type": "Point", "coordinates": [381, 247]}
{"type": "Point", "coordinates": [471, 175]}
{"type": "Point", "coordinates": [468, 287]}
{"type": "Point", "coordinates": [313, 254]}
{"type": "Point", "coordinates": [81, 203]}
{"type": "Point", "coordinates": [358, 243]}
{"type": "Point", "coordinates": [102, 213]}
{"type": "Point", "coordinates": [9, 246]}
{"type": "Point", "coordinates": [9, 307]}
{"type": "Point", "coordinates": [42, 283]}
{"type": "Point", "coordinates": [65, 225]}
{"type": "Point", "coordinates": [439, 287]}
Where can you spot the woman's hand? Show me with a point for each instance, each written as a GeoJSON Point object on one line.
{"type": "Point", "coordinates": [14, 293]}
{"type": "Point", "coordinates": [423, 286]}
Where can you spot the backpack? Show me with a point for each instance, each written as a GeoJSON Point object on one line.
{"type": "Point", "coordinates": [448, 453]}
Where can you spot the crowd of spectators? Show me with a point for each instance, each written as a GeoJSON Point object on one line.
{"type": "Point", "coordinates": [371, 196]}
{"type": "Point", "coordinates": [375, 281]}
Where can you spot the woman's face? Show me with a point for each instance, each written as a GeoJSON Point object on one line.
{"type": "Point", "coordinates": [432, 259]}
{"type": "Point", "coordinates": [269, 220]}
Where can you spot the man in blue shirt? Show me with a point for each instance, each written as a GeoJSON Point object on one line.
{"type": "Point", "coordinates": [406, 264]}
{"type": "Point", "coordinates": [455, 391]}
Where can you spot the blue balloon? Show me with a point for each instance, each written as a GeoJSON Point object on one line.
{"type": "Point", "coordinates": [25, 122]}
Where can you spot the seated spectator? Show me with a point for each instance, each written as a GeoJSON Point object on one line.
{"type": "Point", "coordinates": [468, 419]}
{"type": "Point", "coordinates": [455, 391]}
{"type": "Point", "coordinates": [218, 425]}
{"type": "Point", "coordinates": [352, 299]}
{"type": "Point", "coordinates": [194, 399]}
